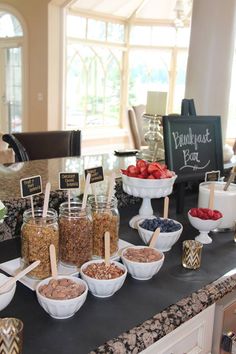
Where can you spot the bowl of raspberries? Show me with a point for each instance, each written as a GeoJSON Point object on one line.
{"type": "Point", "coordinates": [204, 220]}
{"type": "Point", "coordinates": [169, 235]}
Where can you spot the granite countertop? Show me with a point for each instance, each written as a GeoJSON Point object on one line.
{"type": "Point", "coordinates": [144, 335]}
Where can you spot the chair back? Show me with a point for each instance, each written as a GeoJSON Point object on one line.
{"type": "Point", "coordinates": [135, 115]}
{"type": "Point", "coordinates": [44, 145]}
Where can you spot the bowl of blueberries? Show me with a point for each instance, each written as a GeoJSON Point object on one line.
{"type": "Point", "coordinates": [169, 235]}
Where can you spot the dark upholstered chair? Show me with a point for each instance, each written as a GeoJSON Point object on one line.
{"type": "Point", "coordinates": [136, 125]}
{"type": "Point", "coordinates": [44, 145]}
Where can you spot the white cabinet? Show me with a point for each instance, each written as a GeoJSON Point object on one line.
{"type": "Point", "coordinates": [225, 319]}
{"type": "Point", "coordinates": [192, 337]}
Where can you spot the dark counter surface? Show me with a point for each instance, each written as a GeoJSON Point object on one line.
{"type": "Point", "coordinates": [100, 320]}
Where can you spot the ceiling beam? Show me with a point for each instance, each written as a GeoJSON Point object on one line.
{"type": "Point", "coordinates": [136, 11]}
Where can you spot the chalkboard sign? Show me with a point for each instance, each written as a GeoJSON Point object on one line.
{"type": "Point", "coordinates": [212, 176]}
{"type": "Point", "coordinates": [96, 174]}
{"type": "Point", "coordinates": [193, 145]}
{"type": "Point", "coordinates": [30, 186]}
{"type": "Point", "coordinates": [68, 180]}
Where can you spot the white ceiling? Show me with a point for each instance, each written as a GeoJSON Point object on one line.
{"type": "Point", "coordinates": [141, 9]}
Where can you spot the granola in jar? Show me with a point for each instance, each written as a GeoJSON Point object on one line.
{"type": "Point", "coordinates": [37, 234]}
{"type": "Point", "coordinates": [75, 228]}
{"type": "Point", "coordinates": [105, 218]}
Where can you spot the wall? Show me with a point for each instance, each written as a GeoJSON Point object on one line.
{"type": "Point", "coordinates": [35, 15]}
{"type": "Point", "coordinates": [211, 51]}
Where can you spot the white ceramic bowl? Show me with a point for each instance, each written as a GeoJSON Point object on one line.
{"type": "Point", "coordinates": [141, 270]}
{"type": "Point", "coordinates": [61, 309]}
{"type": "Point", "coordinates": [164, 241]}
{"type": "Point", "coordinates": [106, 287]}
{"type": "Point", "coordinates": [148, 188]}
{"type": "Point", "coordinates": [7, 296]}
{"type": "Point", "coordinates": [204, 227]}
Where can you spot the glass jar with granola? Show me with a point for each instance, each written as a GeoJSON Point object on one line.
{"type": "Point", "coordinates": [105, 218]}
{"type": "Point", "coordinates": [37, 234]}
{"type": "Point", "coordinates": [75, 228]}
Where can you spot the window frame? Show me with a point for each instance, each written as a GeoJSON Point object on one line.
{"type": "Point", "coordinates": [126, 47]}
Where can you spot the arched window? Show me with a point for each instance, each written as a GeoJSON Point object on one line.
{"type": "Point", "coordinates": [9, 25]}
{"type": "Point", "coordinates": [11, 87]}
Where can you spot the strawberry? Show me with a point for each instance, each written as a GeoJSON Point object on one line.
{"type": "Point", "coordinates": [169, 174]}
{"type": "Point", "coordinates": [157, 174]}
{"type": "Point", "coordinates": [141, 163]}
{"type": "Point", "coordinates": [152, 168]}
{"type": "Point", "coordinates": [151, 177]}
{"type": "Point", "coordinates": [163, 175]}
{"type": "Point", "coordinates": [133, 170]}
{"type": "Point", "coordinates": [144, 174]}
{"type": "Point", "coordinates": [130, 174]}
{"type": "Point", "coordinates": [143, 169]}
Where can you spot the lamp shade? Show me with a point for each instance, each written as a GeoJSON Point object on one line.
{"type": "Point", "coordinates": [156, 103]}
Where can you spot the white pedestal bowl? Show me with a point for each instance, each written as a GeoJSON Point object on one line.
{"type": "Point", "coordinates": [146, 189]}
{"type": "Point", "coordinates": [204, 227]}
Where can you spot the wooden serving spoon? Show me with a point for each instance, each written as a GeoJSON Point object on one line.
{"type": "Point", "coordinates": [53, 261]}
{"type": "Point", "coordinates": [107, 248]}
{"type": "Point", "coordinates": [166, 207]}
{"type": "Point", "coordinates": [231, 178]}
{"type": "Point", "coordinates": [4, 287]}
{"type": "Point", "coordinates": [211, 196]}
{"type": "Point", "coordinates": [46, 199]}
{"type": "Point", "coordinates": [154, 237]}
{"type": "Point", "coordinates": [86, 187]}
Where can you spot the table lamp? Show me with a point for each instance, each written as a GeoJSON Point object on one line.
{"type": "Point", "coordinates": [155, 109]}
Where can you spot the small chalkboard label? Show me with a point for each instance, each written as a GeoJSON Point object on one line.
{"type": "Point", "coordinates": [96, 174]}
{"type": "Point", "coordinates": [68, 180]}
{"type": "Point", "coordinates": [193, 146]}
{"type": "Point", "coordinates": [30, 186]}
{"type": "Point", "coordinates": [212, 176]}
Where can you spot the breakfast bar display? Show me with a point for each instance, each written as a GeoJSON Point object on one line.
{"type": "Point", "coordinates": [117, 299]}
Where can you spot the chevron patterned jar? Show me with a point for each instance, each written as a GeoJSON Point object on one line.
{"type": "Point", "coordinates": [11, 335]}
{"type": "Point", "coordinates": [191, 256]}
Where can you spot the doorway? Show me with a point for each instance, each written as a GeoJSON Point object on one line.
{"type": "Point", "coordinates": [11, 75]}
{"type": "Point", "coordinates": [11, 88]}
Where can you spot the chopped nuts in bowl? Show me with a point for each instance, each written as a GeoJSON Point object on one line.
{"type": "Point", "coordinates": [142, 262]}
{"type": "Point", "coordinates": [102, 280]}
{"type": "Point", "coordinates": [61, 297]}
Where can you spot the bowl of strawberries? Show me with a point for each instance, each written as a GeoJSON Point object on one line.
{"type": "Point", "coordinates": [204, 220]}
{"type": "Point", "coordinates": [147, 180]}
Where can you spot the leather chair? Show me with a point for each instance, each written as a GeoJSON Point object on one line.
{"type": "Point", "coordinates": [136, 125]}
{"type": "Point", "coordinates": [44, 145]}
